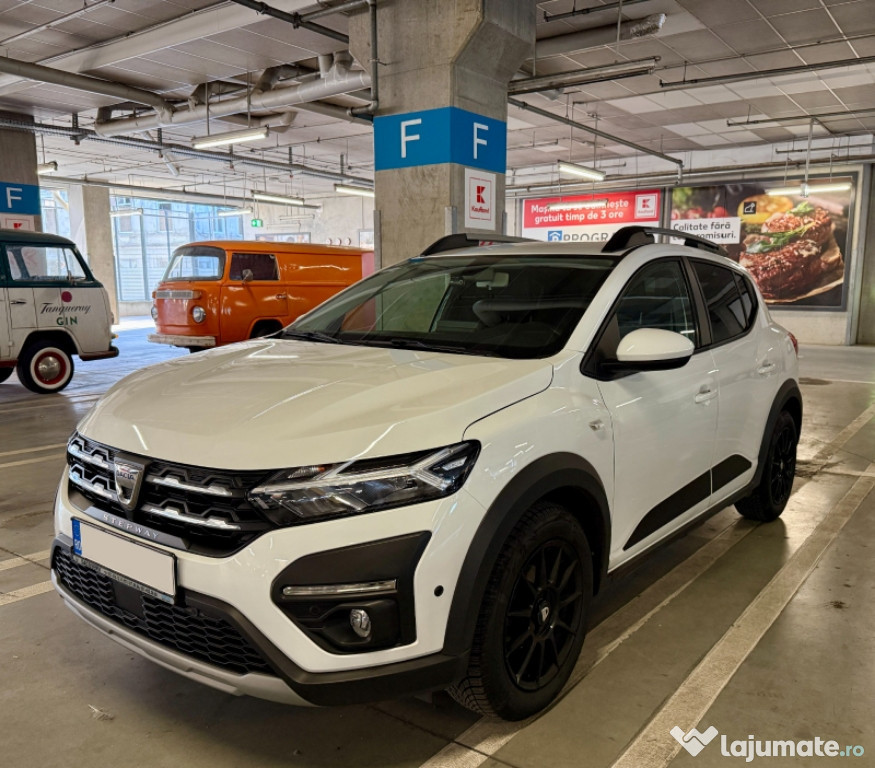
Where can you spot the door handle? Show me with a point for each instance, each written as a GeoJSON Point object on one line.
{"type": "Point", "coordinates": [766, 368]}
{"type": "Point", "coordinates": [282, 296]}
{"type": "Point", "coordinates": [705, 394]}
{"type": "Point", "coordinates": [16, 302]}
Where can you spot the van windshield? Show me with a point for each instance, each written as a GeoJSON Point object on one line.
{"type": "Point", "coordinates": [520, 306]}
{"type": "Point", "coordinates": [196, 262]}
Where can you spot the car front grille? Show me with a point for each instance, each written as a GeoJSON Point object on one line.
{"type": "Point", "coordinates": [208, 509]}
{"type": "Point", "coordinates": [210, 639]}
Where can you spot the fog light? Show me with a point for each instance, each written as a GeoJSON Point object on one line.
{"type": "Point", "coordinates": [198, 313]}
{"type": "Point", "coordinates": [154, 311]}
{"type": "Point", "coordinates": [360, 622]}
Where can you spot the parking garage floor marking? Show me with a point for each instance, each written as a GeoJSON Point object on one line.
{"type": "Point", "coordinates": [23, 462]}
{"type": "Point", "coordinates": [22, 594]}
{"type": "Point", "coordinates": [19, 560]}
{"type": "Point", "coordinates": [26, 404]}
{"type": "Point", "coordinates": [485, 737]}
{"type": "Point", "coordinates": [33, 450]}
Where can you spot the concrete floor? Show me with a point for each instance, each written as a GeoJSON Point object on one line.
{"type": "Point", "coordinates": [764, 631]}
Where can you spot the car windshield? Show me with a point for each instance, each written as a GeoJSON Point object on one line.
{"type": "Point", "coordinates": [196, 262]}
{"type": "Point", "coordinates": [506, 306]}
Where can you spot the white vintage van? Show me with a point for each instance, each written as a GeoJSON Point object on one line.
{"type": "Point", "coordinates": [51, 308]}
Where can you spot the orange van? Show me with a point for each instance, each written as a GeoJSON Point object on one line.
{"type": "Point", "coordinates": [218, 292]}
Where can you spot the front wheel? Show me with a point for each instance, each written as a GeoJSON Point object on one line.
{"type": "Point", "coordinates": [768, 500]}
{"type": "Point", "coordinates": [533, 617]}
{"type": "Point", "coordinates": [44, 367]}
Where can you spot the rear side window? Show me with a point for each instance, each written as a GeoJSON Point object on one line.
{"type": "Point", "coordinates": [729, 312]}
{"type": "Point", "coordinates": [748, 299]}
{"type": "Point", "coordinates": [262, 265]}
{"type": "Point", "coordinates": [43, 264]}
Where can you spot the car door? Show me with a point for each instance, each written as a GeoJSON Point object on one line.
{"type": "Point", "coordinates": [663, 421]}
{"type": "Point", "coordinates": [253, 292]}
{"type": "Point", "coordinates": [5, 328]}
{"type": "Point", "coordinates": [745, 368]}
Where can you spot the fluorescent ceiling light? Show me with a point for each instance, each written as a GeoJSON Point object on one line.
{"type": "Point", "coordinates": [236, 212]}
{"type": "Point", "coordinates": [43, 168]}
{"type": "Point", "coordinates": [126, 212]}
{"type": "Point", "coordinates": [573, 206]}
{"type": "Point", "coordinates": [805, 189]}
{"type": "Point", "coordinates": [348, 189]}
{"type": "Point", "coordinates": [233, 137]}
{"type": "Point", "coordinates": [264, 197]}
{"type": "Point", "coordinates": [581, 170]}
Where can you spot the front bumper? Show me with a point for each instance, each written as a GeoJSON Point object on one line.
{"type": "Point", "coordinates": [177, 340]}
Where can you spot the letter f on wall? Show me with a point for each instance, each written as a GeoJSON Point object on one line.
{"type": "Point", "coordinates": [405, 137]}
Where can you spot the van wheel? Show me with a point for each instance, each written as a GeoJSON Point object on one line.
{"type": "Point", "coordinates": [44, 367]}
{"type": "Point", "coordinates": [533, 617]}
{"type": "Point", "coordinates": [265, 328]}
{"type": "Point", "coordinates": [5, 373]}
{"type": "Point", "coordinates": [768, 500]}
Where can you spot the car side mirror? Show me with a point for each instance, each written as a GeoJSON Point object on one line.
{"type": "Point", "coordinates": [651, 349]}
{"type": "Point", "coordinates": [248, 276]}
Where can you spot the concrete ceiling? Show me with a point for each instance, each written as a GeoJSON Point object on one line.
{"type": "Point", "coordinates": [171, 46]}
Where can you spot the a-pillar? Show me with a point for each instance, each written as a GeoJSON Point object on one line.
{"type": "Point", "coordinates": [440, 136]}
{"type": "Point", "coordinates": [19, 184]}
{"type": "Point", "coordinates": [91, 229]}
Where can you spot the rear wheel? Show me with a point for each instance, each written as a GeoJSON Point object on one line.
{"type": "Point", "coordinates": [533, 617]}
{"type": "Point", "coordinates": [45, 367]}
{"type": "Point", "coordinates": [5, 373]}
{"type": "Point", "coordinates": [767, 502]}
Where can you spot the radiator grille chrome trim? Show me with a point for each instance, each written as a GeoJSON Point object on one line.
{"type": "Point", "coordinates": [206, 522]}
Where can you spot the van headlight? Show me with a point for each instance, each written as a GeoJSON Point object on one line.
{"type": "Point", "coordinates": [198, 314]}
{"type": "Point", "coordinates": [315, 493]}
{"type": "Point", "coordinates": [154, 312]}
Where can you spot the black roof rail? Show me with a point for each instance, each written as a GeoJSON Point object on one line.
{"type": "Point", "coordinates": [467, 240]}
{"type": "Point", "coordinates": [631, 236]}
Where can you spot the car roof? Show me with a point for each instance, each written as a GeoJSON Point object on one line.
{"type": "Point", "coordinates": [23, 237]}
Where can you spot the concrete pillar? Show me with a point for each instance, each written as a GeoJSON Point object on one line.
{"type": "Point", "coordinates": [436, 164]}
{"type": "Point", "coordinates": [91, 230]}
{"type": "Point", "coordinates": [19, 184]}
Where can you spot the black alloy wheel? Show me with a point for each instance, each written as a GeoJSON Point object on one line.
{"type": "Point", "coordinates": [768, 499]}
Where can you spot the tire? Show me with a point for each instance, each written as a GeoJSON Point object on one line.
{"type": "Point", "coordinates": [192, 350]}
{"type": "Point", "coordinates": [768, 500]}
{"type": "Point", "coordinates": [535, 607]}
{"type": "Point", "coordinates": [5, 373]}
{"type": "Point", "coordinates": [45, 367]}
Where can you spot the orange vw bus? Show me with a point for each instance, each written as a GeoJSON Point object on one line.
{"type": "Point", "coordinates": [218, 292]}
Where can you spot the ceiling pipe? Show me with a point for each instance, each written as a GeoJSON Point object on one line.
{"type": "Point", "coordinates": [601, 134]}
{"type": "Point", "coordinates": [764, 73]}
{"type": "Point", "coordinates": [295, 19]}
{"type": "Point", "coordinates": [618, 71]}
{"type": "Point", "coordinates": [153, 193]}
{"type": "Point", "coordinates": [339, 80]}
{"type": "Point", "coordinates": [53, 23]}
{"type": "Point", "coordinates": [575, 42]}
{"type": "Point", "coordinates": [847, 114]}
{"type": "Point", "coordinates": [350, 5]}
{"type": "Point", "coordinates": [85, 83]}
{"type": "Point", "coordinates": [178, 150]}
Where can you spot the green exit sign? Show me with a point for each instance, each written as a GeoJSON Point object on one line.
{"type": "Point", "coordinates": [257, 223]}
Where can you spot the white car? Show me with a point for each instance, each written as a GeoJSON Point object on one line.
{"type": "Point", "coordinates": [422, 483]}
{"type": "Point", "coordinates": [51, 308]}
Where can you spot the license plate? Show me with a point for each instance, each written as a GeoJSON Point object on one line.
{"type": "Point", "coordinates": [144, 568]}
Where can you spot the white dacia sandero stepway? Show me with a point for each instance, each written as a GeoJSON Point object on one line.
{"type": "Point", "coordinates": [421, 483]}
{"type": "Point", "coordinates": [51, 308]}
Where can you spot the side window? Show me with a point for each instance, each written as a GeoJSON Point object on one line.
{"type": "Point", "coordinates": [657, 297]}
{"type": "Point", "coordinates": [43, 264]}
{"type": "Point", "coordinates": [748, 299]}
{"type": "Point", "coordinates": [726, 309]}
{"type": "Point", "coordinates": [262, 265]}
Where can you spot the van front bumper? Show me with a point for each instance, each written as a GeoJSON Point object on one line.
{"type": "Point", "coordinates": [182, 341]}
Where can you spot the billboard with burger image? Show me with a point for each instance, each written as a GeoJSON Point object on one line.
{"type": "Point", "coordinates": [795, 246]}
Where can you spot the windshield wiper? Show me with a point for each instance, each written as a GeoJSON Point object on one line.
{"type": "Point", "coordinates": [291, 333]}
{"type": "Point", "coordinates": [418, 344]}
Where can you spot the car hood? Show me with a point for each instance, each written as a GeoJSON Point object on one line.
{"type": "Point", "coordinates": [278, 403]}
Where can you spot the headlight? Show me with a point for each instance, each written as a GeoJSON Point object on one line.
{"type": "Point", "coordinates": [198, 313]}
{"type": "Point", "coordinates": [154, 312]}
{"type": "Point", "coordinates": [311, 494]}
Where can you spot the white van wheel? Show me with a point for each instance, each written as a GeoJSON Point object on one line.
{"type": "Point", "coordinates": [45, 367]}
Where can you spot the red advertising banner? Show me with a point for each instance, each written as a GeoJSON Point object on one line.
{"type": "Point", "coordinates": [583, 224]}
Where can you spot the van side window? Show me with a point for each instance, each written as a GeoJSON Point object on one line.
{"type": "Point", "coordinates": [43, 264]}
{"type": "Point", "coordinates": [262, 265]}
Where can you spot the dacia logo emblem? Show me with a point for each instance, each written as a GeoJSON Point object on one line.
{"type": "Point", "coordinates": [128, 479]}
